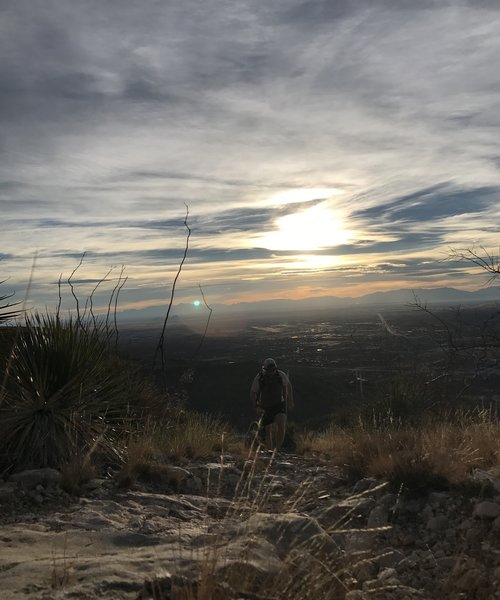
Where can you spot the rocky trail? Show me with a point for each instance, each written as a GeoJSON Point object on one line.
{"type": "Point", "coordinates": [267, 529]}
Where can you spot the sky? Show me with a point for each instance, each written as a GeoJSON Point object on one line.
{"type": "Point", "coordinates": [313, 148]}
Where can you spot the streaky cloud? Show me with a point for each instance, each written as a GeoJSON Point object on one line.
{"type": "Point", "coordinates": [433, 204]}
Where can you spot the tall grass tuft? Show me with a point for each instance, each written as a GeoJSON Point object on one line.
{"type": "Point", "coordinates": [63, 389]}
{"type": "Point", "coordinates": [158, 443]}
{"type": "Point", "coordinates": [435, 454]}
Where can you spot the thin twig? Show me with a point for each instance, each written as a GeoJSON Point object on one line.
{"type": "Point", "coordinates": [73, 290]}
{"type": "Point", "coordinates": [91, 297]}
{"type": "Point", "coordinates": [60, 297]}
{"type": "Point", "coordinates": [207, 323]}
{"type": "Point", "coordinates": [120, 286]}
{"type": "Point", "coordinates": [161, 342]}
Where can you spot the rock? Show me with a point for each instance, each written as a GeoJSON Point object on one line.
{"type": "Point", "coordinates": [447, 563]}
{"type": "Point", "coordinates": [486, 477]}
{"type": "Point", "coordinates": [390, 557]}
{"type": "Point", "coordinates": [31, 478]}
{"type": "Point", "coordinates": [473, 535]}
{"type": "Point", "coordinates": [364, 570]}
{"type": "Point", "coordinates": [438, 523]}
{"type": "Point", "coordinates": [36, 497]}
{"type": "Point", "coordinates": [177, 475]}
{"type": "Point", "coordinates": [388, 501]}
{"type": "Point", "coordinates": [288, 531]}
{"type": "Point", "coordinates": [355, 595]}
{"type": "Point", "coordinates": [486, 510]}
{"type": "Point", "coordinates": [386, 574]}
{"type": "Point", "coordinates": [379, 517]}
{"type": "Point", "coordinates": [359, 541]}
{"type": "Point", "coordinates": [438, 497]}
{"type": "Point", "coordinates": [413, 507]}
{"type": "Point", "coordinates": [363, 485]}
{"type": "Point", "coordinates": [245, 564]}
{"type": "Point", "coordinates": [340, 514]}
{"type": "Point", "coordinates": [194, 485]}
{"type": "Point", "coordinates": [470, 581]}
{"type": "Point", "coordinates": [7, 491]}
{"type": "Point", "coordinates": [92, 484]}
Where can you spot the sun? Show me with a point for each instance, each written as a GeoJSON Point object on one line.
{"type": "Point", "coordinates": [306, 230]}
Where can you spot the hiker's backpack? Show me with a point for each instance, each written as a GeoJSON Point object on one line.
{"type": "Point", "coordinates": [270, 390]}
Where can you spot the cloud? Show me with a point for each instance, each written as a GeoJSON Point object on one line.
{"type": "Point", "coordinates": [434, 204]}
{"type": "Point", "coordinates": [116, 115]}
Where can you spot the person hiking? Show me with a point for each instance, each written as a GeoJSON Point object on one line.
{"type": "Point", "coordinates": [272, 394]}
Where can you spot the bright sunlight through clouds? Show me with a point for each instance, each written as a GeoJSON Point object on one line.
{"type": "Point", "coordinates": [310, 228]}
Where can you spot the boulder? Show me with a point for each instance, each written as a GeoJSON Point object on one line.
{"type": "Point", "coordinates": [486, 510]}
{"type": "Point", "coordinates": [378, 517]}
{"type": "Point", "coordinates": [31, 478]}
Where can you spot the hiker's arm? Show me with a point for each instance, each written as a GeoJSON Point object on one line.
{"type": "Point", "coordinates": [254, 398]}
{"type": "Point", "coordinates": [289, 395]}
{"type": "Point", "coordinates": [254, 394]}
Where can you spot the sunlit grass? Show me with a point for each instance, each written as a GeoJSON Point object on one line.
{"type": "Point", "coordinates": [429, 453]}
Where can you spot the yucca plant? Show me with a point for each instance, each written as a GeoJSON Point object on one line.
{"type": "Point", "coordinates": [7, 310]}
{"type": "Point", "coordinates": [62, 389]}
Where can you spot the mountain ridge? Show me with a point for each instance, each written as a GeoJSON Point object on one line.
{"type": "Point", "coordinates": [402, 296]}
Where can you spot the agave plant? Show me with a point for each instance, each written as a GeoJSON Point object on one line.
{"type": "Point", "coordinates": [63, 387]}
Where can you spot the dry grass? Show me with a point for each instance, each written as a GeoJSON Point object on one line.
{"type": "Point", "coordinates": [431, 453]}
{"type": "Point", "coordinates": [157, 444]}
{"type": "Point", "coordinates": [77, 471]}
{"type": "Point", "coordinates": [198, 436]}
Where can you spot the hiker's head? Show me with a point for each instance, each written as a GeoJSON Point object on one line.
{"type": "Point", "coordinates": [269, 365]}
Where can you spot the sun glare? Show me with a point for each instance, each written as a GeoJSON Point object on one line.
{"type": "Point", "coordinates": [310, 229]}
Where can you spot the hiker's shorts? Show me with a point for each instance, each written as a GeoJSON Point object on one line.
{"type": "Point", "coordinates": [270, 413]}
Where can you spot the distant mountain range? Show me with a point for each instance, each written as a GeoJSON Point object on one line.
{"type": "Point", "coordinates": [443, 295]}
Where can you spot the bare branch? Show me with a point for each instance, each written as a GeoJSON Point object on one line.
{"type": "Point", "coordinates": [207, 323]}
{"type": "Point", "coordinates": [91, 297]}
{"type": "Point", "coordinates": [60, 297]}
{"type": "Point", "coordinates": [482, 258]}
{"type": "Point", "coordinates": [119, 289]}
{"type": "Point", "coordinates": [73, 290]}
{"type": "Point", "coordinates": [161, 342]}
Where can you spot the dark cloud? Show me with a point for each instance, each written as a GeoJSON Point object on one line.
{"type": "Point", "coordinates": [177, 175]}
{"type": "Point", "coordinates": [239, 219]}
{"type": "Point", "coordinates": [404, 242]}
{"type": "Point", "coordinates": [168, 255]}
{"type": "Point", "coordinates": [324, 12]}
{"type": "Point", "coordinates": [432, 204]}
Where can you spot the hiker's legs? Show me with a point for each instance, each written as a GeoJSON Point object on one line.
{"type": "Point", "coordinates": [269, 436]}
{"type": "Point", "coordinates": [280, 424]}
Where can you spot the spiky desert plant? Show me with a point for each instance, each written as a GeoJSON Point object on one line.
{"type": "Point", "coordinates": [62, 390]}
{"type": "Point", "coordinates": [7, 310]}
